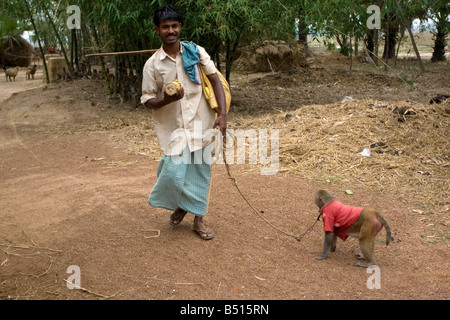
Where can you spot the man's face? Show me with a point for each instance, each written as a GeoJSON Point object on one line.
{"type": "Point", "coordinates": [169, 31]}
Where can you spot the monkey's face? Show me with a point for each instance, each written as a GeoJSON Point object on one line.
{"type": "Point", "coordinates": [318, 202]}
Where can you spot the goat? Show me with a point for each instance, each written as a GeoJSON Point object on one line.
{"type": "Point", "coordinates": [11, 73]}
{"type": "Point", "coordinates": [31, 70]}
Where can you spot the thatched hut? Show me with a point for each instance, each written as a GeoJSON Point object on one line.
{"type": "Point", "coordinates": [16, 52]}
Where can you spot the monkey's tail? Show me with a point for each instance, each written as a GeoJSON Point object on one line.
{"type": "Point", "coordinates": [388, 229]}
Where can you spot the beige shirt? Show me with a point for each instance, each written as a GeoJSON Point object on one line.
{"type": "Point", "coordinates": [188, 121]}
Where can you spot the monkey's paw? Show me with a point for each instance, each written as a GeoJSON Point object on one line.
{"type": "Point", "coordinates": [321, 257]}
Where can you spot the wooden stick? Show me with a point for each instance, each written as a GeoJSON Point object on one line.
{"type": "Point", "coordinates": [91, 292]}
{"type": "Point", "coordinates": [120, 53]}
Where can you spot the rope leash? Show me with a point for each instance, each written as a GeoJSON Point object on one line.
{"type": "Point", "coordinates": [233, 181]}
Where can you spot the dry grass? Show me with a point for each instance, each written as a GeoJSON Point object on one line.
{"type": "Point", "coordinates": [409, 153]}
{"type": "Point", "coordinates": [409, 157]}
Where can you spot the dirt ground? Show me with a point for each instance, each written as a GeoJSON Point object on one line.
{"type": "Point", "coordinates": [76, 172]}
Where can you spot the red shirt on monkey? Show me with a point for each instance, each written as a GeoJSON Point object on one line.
{"type": "Point", "coordinates": [338, 218]}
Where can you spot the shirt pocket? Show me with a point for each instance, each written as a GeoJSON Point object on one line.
{"type": "Point", "coordinates": [164, 76]}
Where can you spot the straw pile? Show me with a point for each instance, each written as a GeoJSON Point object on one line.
{"type": "Point", "coordinates": [16, 52]}
{"type": "Point", "coordinates": [270, 56]}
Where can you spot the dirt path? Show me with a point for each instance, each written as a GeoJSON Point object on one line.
{"type": "Point", "coordinates": [10, 87]}
{"type": "Point", "coordinates": [75, 197]}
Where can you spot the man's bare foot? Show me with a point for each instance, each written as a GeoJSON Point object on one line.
{"type": "Point", "coordinates": [177, 216]}
{"type": "Point", "coordinates": [202, 231]}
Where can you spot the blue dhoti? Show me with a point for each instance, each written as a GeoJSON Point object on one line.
{"type": "Point", "coordinates": [183, 182]}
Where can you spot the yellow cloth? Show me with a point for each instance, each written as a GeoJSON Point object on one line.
{"type": "Point", "coordinates": [208, 90]}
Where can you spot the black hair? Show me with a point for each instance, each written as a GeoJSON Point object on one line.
{"type": "Point", "coordinates": [166, 12]}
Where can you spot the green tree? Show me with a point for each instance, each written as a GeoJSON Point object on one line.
{"type": "Point", "coordinates": [24, 4]}
{"type": "Point", "coordinates": [408, 10]}
{"type": "Point", "coordinates": [220, 26]}
{"type": "Point", "coordinates": [439, 12]}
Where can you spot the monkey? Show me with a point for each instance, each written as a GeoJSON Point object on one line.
{"type": "Point", "coordinates": [343, 221]}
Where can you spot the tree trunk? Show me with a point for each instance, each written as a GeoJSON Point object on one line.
{"type": "Point", "coordinates": [228, 61]}
{"type": "Point", "coordinates": [71, 49]}
{"type": "Point", "coordinates": [442, 27]}
{"type": "Point", "coordinates": [230, 52]}
{"type": "Point", "coordinates": [416, 50]}
{"type": "Point", "coordinates": [399, 44]}
{"type": "Point", "coordinates": [413, 41]}
{"type": "Point", "coordinates": [439, 46]}
{"type": "Point", "coordinates": [217, 59]}
{"type": "Point", "coordinates": [370, 43]}
{"type": "Point", "coordinates": [376, 42]}
{"type": "Point", "coordinates": [75, 44]}
{"type": "Point", "coordinates": [303, 35]}
{"type": "Point", "coordinates": [116, 76]}
{"type": "Point", "coordinates": [390, 41]}
{"type": "Point", "coordinates": [343, 43]}
{"type": "Point", "coordinates": [351, 54]}
{"type": "Point", "coordinates": [38, 40]}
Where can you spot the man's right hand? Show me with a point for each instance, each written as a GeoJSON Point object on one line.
{"type": "Point", "coordinates": [177, 96]}
{"type": "Point", "coordinates": [156, 103]}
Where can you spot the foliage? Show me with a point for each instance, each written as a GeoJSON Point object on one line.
{"type": "Point", "coordinates": [221, 26]}
{"type": "Point", "coordinates": [11, 28]}
{"type": "Point", "coordinates": [9, 31]}
{"type": "Point", "coordinates": [439, 12]}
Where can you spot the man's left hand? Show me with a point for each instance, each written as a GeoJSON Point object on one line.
{"type": "Point", "coordinates": [221, 123]}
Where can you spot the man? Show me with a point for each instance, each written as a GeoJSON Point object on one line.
{"type": "Point", "coordinates": [181, 122]}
